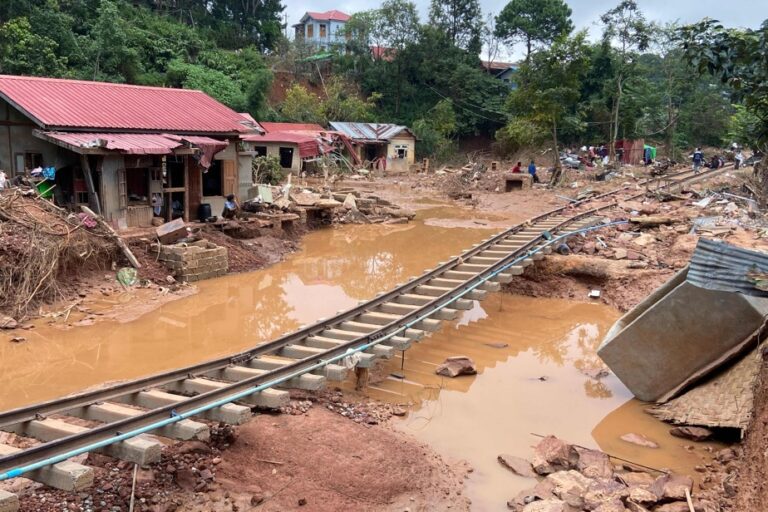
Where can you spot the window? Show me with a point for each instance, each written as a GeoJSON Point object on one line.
{"type": "Point", "coordinates": [28, 161]}
{"type": "Point", "coordinates": [401, 151]}
{"type": "Point", "coordinates": [137, 186]}
{"type": "Point", "coordinates": [286, 158]}
{"type": "Point", "coordinates": [212, 180]}
{"type": "Point", "coordinates": [260, 150]}
{"type": "Point", "coordinates": [310, 31]}
{"type": "Point", "coordinates": [322, 30]}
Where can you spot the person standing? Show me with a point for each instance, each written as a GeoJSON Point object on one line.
{"type": "Point", "coordinates": [698, 160]}
{"type": "Point", "coordinates": [532, 171]}
{"type": "Point", "coordinates": [518, 168]}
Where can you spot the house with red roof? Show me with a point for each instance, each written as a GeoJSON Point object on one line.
{"type": "Point", "coordinates": [130, 152]}
{"type": "Point", "coordinates": [322, 29]}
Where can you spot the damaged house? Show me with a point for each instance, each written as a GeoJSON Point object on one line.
{"type": "Point", "coordinates": [124, 150]}
{"type": "Point", "coordinates": [388, 147]}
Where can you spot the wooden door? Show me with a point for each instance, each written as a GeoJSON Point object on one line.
{"type": "Point", "coordinates": [228, 177]}
{"type": "Point", "coordinates": [194, 188]}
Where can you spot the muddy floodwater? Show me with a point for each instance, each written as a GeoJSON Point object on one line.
{"type": "Point", "coordinates": [532, 354]}
{"type": "Point", "coordinates": [534, 358]}
{"type": "Point", "coordinates": [336, 268]}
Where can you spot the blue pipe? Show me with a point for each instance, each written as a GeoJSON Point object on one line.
{"type": "Point", "coordinates": [175, 417]}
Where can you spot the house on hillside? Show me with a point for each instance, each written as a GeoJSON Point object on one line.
{"type": "Point", "coordinates": [123, 149]}
{"type": "Point", "coordinates": [322, 29]}
{"type": "Point", "coordinates": [504, 71]}
{"type": "Point", "coordinates": [296, 144]}
{"type": "Point", "coordinates": [388, 147]}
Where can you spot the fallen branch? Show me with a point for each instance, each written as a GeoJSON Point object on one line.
{"type": "Point", "coordinates": [118, 240]}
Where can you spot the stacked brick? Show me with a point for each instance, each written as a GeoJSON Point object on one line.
{"type": "Point", "coordinates": [193, 262]}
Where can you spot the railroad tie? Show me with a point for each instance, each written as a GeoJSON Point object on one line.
{"type": "Point", "coordinates": [231, 414]}
{"type": "Point", "coordinates": [67, 475]}
{"type": "Point", "coordinates": [332, 371]}
{"type": "Point", "coordinates": [268, 398]}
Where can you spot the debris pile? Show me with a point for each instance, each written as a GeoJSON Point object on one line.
{"type": "Point", "coordinates": [41, 248]}
{"type": "Point", "coordinates": [573, 478]}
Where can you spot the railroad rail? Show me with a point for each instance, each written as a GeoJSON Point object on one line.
{"type": "Point", "coordinates": [170, 404]}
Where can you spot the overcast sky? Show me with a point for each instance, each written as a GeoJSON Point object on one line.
{"type": "Point", "coordinates": [586, 13]}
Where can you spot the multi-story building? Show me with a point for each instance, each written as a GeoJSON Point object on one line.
{"type": "Point", "coordinates": [322, 29]}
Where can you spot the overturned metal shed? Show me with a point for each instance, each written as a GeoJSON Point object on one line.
{"type": "Point", "coordinates": [701, 318]}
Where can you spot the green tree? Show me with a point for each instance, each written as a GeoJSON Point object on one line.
{"type": "Point", "coordinates": [113, 59]}
{"type": "Point", "coordinates": [533, 22]}
{"type": "Point", "coordinates": [23, 52]}
{"type": "Point", "coordinates": [461, 20]}
{"type": "Point", "coordinates": [626, 29]}
{"type": "Point", "coordinates": [738, 58]}
{"type": "Point", "coordinates": [435, 131]}
{"type": "Point", "coordinates": [549, 90]}
{"type": "Point", "coordinates": [212, 82]}
{"type": "Point", "coordinates": [301, 106]}
{"type": "Point", "coordinates": [743, 126]}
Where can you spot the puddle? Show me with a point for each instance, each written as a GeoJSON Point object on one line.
{"type": "Point", "coordinates": [529, 382]}
{"type": "Point", "coordinates": [335, 269]}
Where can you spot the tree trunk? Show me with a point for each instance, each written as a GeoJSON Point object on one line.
{"type": "Point", "coordinates": [558, 171]}
{"type": "Point", "coordinates": [528, 49]}
{"type": "Point", "coordinates": [616, 109]}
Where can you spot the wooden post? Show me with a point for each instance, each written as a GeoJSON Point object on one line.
{"type": "Point", "coordinates": [93, 196]}
{"type": "Point", "coordinates": [119, 241]}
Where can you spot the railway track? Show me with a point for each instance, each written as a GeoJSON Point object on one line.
{"type": "Point", "coordinates": [114, 419]}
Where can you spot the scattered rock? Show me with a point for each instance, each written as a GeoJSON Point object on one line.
{"type": "Point", "coordinates": [18, 339]}
{"type": "Point", "coordinates": [639, 440]}
{"type": "Point", "coordinates": [619, 253]}
{"type": "Point", "coordinates": [517, 465]}
{"type": "Point", "coordinates": [399, 411]}
{"type": "Point", "coordinates": [675, 506]}
{"type": "Point", "coordinates": [350, 203]}
{"type": "Point", "coordinates": [692, 433]}
{"type": "Point", "coordinates": [496, 345]}
{"type": "Point", "coordinates": [570, 486]}
{"type": "Point", "coordinates": [672, 486]}
{"type": "Point", "coordinates": [541, 491]}
{"type": "Point", "coordinates": [553, 454]}
{"type": "Point", "coordinates": [604, 492]}
{"type": "Point", "coordinates": [639, 478]}
{"type": "Point", "coordinates": [726, 455]}
{"type": "Point", "coordinates": [644, 239]}
{"type": "Point", "coordinates": [636, 507]}
{"type": "Point", "coordinates": [455, 366]}
{"type": "Point", "coordinates": [594, 464]}
{"type": "Point", "coordinates": [186, 479]}
{"type": "Point", "coordinates": [194, 447]}
{"type": "Point", "coordinates": [6, 322]}
{"type": "Point", "coordinates": [550, 505]}
{"type": "Point", "coordinates": [611, 506]}
{"type": "Point", "coordinates": [643, 496]}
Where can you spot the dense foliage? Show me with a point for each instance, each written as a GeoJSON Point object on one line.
{"type": "Point", "coordinates": [214, 45]}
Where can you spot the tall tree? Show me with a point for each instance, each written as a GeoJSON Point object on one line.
{"type": "Point", "coordinates": [626, 29]}
{"type": "Point", "coordinates": [461, 20]}
{"type": "Point", "coordinates": [550, 88]}
{"type": "Point", "coordinates": [399, 28]}
{"type": "Point", "coordinates": [533, 22]}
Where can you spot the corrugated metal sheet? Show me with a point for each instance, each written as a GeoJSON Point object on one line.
{"type": "Point", "coordinates": [369, 132]}
{"type": "Point", "coordinates": [291, 127]}
{"type": "Point", "coordinates": [56, 103]}
{"type": "Point", "coordinates": [333, 15]}
{"type": "Point", "coordinates": [133, 143]}
{"type": "Point", "coordinates": [717, 265]}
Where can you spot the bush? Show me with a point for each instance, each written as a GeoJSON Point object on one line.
{"type": "Point", "coordinates": [266, 169]}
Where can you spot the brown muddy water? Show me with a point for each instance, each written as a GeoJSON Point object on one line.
{"type": "Point", "coordinates": [533, 384]}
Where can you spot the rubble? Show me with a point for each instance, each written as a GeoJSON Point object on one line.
{"type": "Point", "coordinates": [456, 366]}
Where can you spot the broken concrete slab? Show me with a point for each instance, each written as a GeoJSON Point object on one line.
{"type": "Point", "coordinates": [171, 232]}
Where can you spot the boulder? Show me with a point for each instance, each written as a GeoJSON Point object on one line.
{"type": "Point", "coordinates": [611, 506]}
{"type": "Point", "coordinates": [672, 486]}
{"type": "Point", "coordinates": [570, 486]}
{"type": "Point", "coordinates": [6, 322]}
{"type": "Point", "coordinates": [675, 506]}
{"type": "Point", "coordinates": [642, 495]}
{"type": "Point", "coordinates": [604, 491]}
{"type": "Point", "coordinates": [594, 464]}
{"type": "Point", "coordinates": [692, 433]}
{"type": "Point", "coordinates": [517, 465]}
{"type": "Point", "coordinates": [455, 366]}
{"type": "Point", "coordinates": [541, 491]}
{"type": "Point", "coordinates": [553, 454]}
{"type": "Point", "coordinates": [636, 507]}
{"type": "Point", "coordinates": [619, 253]}
{"type": "Point", "coordinates": [639, 440]}
{"type": "Point", "coordinates": [637, 478]}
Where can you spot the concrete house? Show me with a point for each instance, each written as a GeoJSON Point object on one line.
{"type": "Point", "coordinates": [322, 29]}
{"type": "Point", "coordinates": [388, 147]}
{"type": "Point", "coordinates": [123, 148]}
{"type": "Point", "coordinates": [504, 71]}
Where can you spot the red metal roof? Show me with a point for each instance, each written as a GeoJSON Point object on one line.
{"type": "Point", "coordinates": [129, 143]}
{"type": "Point", "coordinates": [291, 127]}
{"type": "Point", "coordinates": [73, 104]}
{"type": "Point", "coordinates": [333, 15]}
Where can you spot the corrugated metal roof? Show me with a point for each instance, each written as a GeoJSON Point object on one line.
{"type": "Point", "coordinates": [129, 143]}
{"type": "Point", "coordinates": [73, 104]}
{"type": "Point", "coordinates": [717, 265]}
{"type": "Point", "coordinates": [291, 127]}
{"type": "Point", "coordinates": [332, 15]}
{"type": "Point", "coordinates": [377, 132]}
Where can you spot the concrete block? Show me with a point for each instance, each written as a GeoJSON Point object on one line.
{"type": "Point", "coordinates": [232, 414]}
{"type": "Point", "coordinates": [9, 502]}
{"type": "Point", "coordinates": [108, 412]}
{"type": "Point", "coordinates": [66, 475]}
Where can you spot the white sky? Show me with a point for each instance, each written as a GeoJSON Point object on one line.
{"type": "Point", "coordinates": [586, 13]}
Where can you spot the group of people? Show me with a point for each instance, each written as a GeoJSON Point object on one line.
{"type": "Point", "coordinates": [518, 169]}
{"type": "Point", "coordinates": [717, 161]}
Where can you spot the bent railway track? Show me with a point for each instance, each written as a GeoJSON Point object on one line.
{"type": "Point", "coordinates": [113, 419]}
